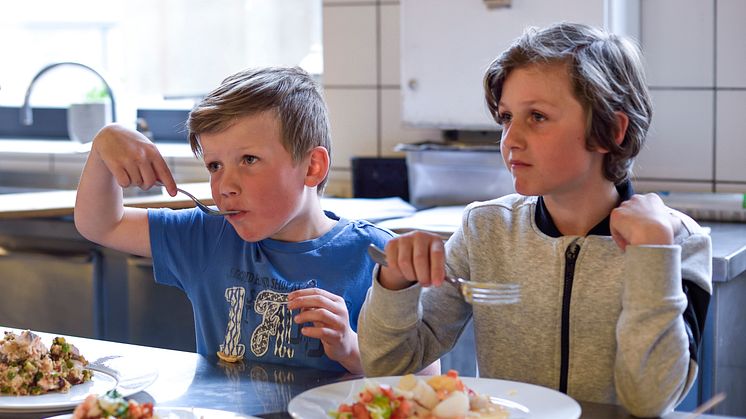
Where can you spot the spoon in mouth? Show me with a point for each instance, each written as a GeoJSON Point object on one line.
{"type": "Point", "coordinates": [201, 205]}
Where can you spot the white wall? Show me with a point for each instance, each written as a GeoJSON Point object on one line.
{"type": "Point", "coordinates": [696, 67]}
{"type": "Point", "coordinates": [696, 63]}
{"type": "Point", "coordinates": [361, 84]}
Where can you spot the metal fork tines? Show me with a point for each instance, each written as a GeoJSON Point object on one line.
{"type": "Point", "coordinates": [473, 292]}
{"type": "Point", "coordinates": [487, 292]}
{"type": "Point", "coordinates": [201, 205]}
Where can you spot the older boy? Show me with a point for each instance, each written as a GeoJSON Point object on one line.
{"type": "Point", "coordinates": [615, 286]}
{"type": "Point", "coordinates": [264, 137]}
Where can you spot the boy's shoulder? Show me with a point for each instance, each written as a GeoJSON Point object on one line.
{"type": "Point", "coordinates": [508, 211]}
{"type": "Point", "coordinates": [512, 203]}
{"type": "Point", "coordinates": [360, 228]}
{"type": "Point", "coordinates": [690, 227]}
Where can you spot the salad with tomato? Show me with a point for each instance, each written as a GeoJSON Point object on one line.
{"type": "Point", "coordinates": [438, 397]}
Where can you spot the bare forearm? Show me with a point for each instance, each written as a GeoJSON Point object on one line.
{"type": "Point", "coordinates": [99, 212]}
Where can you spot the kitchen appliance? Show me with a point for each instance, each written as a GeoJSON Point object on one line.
{"type": "Point", "coordinates": [454, 173]}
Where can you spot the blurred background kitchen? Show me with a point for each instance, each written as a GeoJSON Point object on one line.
{"type": "Point", "coordinates": [393, 72]}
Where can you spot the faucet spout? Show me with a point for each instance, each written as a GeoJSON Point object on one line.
{"type": "Point", "coordinates": [27, 118]}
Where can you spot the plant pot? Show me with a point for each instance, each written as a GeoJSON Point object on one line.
{"type": "Point", "coordinates": [85, 120]}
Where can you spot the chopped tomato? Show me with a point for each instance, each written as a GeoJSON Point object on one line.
{"type": "Point", "coordinates": [359, 411]}
{"type": "Point", "coordinates": [388, 392]}
{"type": "Point", "coordinates": [403, 411]}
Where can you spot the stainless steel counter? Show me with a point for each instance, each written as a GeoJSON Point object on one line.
{"type": "Point", "coordinates": [190, 380]}
{"type": "Point", "coordinates": [729, 239]}
{"type": "Point", "coordinates": [728, 250]}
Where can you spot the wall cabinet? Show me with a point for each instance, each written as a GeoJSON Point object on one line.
{"type": "Point", "coordinates": [446, 47]}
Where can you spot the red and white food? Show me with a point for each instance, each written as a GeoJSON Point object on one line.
{"type": "Point", "coordinates": [437, 397]}
{"type": "Point", "coordinates": [112, 406]}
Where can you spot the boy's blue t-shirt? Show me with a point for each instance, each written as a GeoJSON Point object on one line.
{"type": "Point", "coordinates": [239, 289]}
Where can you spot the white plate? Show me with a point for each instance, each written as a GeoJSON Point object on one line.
{"type": "Point", "coordinates": [186, 413]}
{"type": "Point", "coordinates": [108, 373]}
{"type": "Point", "coordinates": [522, 400]}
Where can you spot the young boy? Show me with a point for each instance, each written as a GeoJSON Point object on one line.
{"type": "Point", "coordinates": [282, 280]}
{"type": "Point", "coordinates": [615, 286]}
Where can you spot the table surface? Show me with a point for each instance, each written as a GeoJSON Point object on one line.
{"type": "Point", "coordinates": [189, 380]}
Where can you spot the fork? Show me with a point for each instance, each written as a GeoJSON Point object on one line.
{"type": "Point", "coordinates": [473, 292]}
{"type": "Point", "coordinates": [201, 205]}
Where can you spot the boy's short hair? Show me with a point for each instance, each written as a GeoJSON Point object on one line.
{"type": "Point", "coordinates": [607, 76]}
{"type": "Point", "coordinates": [290, 92]}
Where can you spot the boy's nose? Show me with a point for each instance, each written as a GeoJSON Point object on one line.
{"type": "Point", "coordinates": [510, 137]}
{"type": "Point", "coordinates": [228, 185]}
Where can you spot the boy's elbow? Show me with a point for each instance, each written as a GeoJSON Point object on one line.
{"type": "Point", "coordinates": [648, 410]}
{"type": "Point", "coordinates": [81, 224]}
{"type": "Point", "coordinates": [86, 227]}
{"type": "Point", "coordinates": [649, 403]}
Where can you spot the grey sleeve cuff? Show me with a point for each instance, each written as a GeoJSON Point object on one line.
{"type": "Point", "coordinates": [652, 274]}
{"type": "Point", "coordinates": [396, 309]}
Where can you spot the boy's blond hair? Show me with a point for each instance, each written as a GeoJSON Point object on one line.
{"type": "Point", "coordinates": [607, 75]}
{"type": "Point", "coordinates": [289, 92]}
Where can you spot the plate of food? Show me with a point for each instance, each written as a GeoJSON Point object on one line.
{"type": "Point", "coordinates": [442, 396]}
{"type": "Point", "coordinates": [37, 378]}
{"type": "Point", "coordinates": [112, 405]}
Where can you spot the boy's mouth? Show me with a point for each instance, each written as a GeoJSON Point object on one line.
{"type": "Point", "coordinates": [238, 214]}
{"type": "Point", "coordinates": [518, 163]}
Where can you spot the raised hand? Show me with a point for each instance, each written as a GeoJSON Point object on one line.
{"type": "Point", "coordinates": [417, 256]}
{"type": "Point", "coordinates": [131, 158]}
{"type": "Point", "coordinates": [643, 220]}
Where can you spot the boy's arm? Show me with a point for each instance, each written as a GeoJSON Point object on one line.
{"type": "Point", "coordinates": [655, 366]}
{"type": "Point", "coordinates": [119, 158]}
{"type": "Point", "coordinates": [407, 331]}
{"type": "Point", "coordinates": [404, 330]}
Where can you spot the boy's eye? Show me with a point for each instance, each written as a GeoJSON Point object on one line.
{"type": "Point", "coordinates": [250, 159]}
{"type": "Point", "coordinates": [503, 118]}
{"type": "Point", "coordinates": [538, 117]}
{"type": "Point", "coordinates": [212, 167]}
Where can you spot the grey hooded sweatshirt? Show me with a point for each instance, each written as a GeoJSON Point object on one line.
{"type": "Point", "coordinates": [594, 322]}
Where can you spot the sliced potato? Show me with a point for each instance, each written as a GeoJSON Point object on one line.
{"type": "Point", "coordinates": [454, 406]}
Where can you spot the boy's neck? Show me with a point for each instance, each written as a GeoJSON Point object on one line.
{"type": "Point", "coordinates": [311, 223]}
{"type": "Point", "coordinates": [576, 215]}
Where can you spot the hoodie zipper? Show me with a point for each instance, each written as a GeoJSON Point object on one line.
{"type": "Point", "coordinates": [571, 256]}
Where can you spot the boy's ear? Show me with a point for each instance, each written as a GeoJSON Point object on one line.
{"type": "Point", "coordinates": [620, 130]}
{"type": "Point", "coordinates": [318, 166]}
{"type": "Point", "coordinates": [622, 122]}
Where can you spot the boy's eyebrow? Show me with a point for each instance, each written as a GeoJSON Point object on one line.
{"type": "Point", "coordinates": [529, 103]}
{"type": "Point", "coordinates": [241, 150]}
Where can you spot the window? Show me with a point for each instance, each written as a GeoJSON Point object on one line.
{"type": "Point", "coordinates": [154, 53]}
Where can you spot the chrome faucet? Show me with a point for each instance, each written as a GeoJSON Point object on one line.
{"type": "Point", "coordinates": [26, 116]}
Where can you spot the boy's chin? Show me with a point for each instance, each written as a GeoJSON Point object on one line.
{"type": "Point", "coordinates": [249, 235]}
{"type": "Point", "coordinates": [525, 191]}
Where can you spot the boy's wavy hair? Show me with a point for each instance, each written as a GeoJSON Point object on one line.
{"type": "Point", "coordinates": [607, 75]}
{"type": "Point", "coordinates": [290, 92]}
